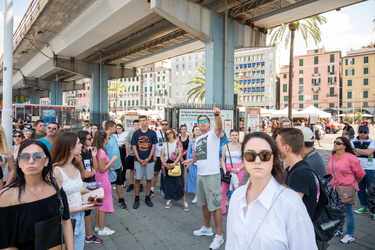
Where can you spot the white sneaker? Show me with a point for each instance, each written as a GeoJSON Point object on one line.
{"type": "Point", "coordinates": [106, 231]}
{"type": "Point", "coordinates": [216, 242]}
{"type": "Point", "coordinates": [204, 231]}
{"type": "Point", "coordinates": [96, 229]}
{"type": "Point", "coordinates": [347, 239]}
{"type": "Point", "coordinates": [194, 200]}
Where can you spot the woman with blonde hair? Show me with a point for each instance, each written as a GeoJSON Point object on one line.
{"type": "Point", "coordinates": [65, 152]}
{"type": "Point", "coordinates": [6, 160]}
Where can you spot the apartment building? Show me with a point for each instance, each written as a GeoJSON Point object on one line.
{"type": "Point", "coordinates": [358, 69]}
{"type": "Point", "coordinates": [183, 69]}
{"type": "Point", "coordinates": [316, 80]}
{"type": "Point", "coordinates": [255, 71]}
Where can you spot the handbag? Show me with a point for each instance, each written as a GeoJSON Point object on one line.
{"type": "Point", "coordinates": [227, 177]}
{"type": "Point", "coordinates": [51, 227]}
{"type": "Point", "coordinates": [346, 193]}
{"type": "Point", "coordinates": [176, 170]}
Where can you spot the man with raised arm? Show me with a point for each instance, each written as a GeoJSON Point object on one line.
{"type": "Point", "coordinates": [209, 181]}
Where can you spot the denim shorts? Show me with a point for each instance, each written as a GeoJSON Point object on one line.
{"type": "Point", "coordinates": [147, 171]}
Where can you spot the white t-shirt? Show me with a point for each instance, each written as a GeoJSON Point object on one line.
{"type": "Point", "coordinates": [207, 153]}
{"type": "Point", "coordinates": [121, 138]}
{"type": "Point", "coordinates": [287, 225]}
{"type": "Point", "coordinates": [161, 140]}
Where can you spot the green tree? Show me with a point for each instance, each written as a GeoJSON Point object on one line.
{"type": "Point", "coordinates": [199, 83]}
{"type": "Point", "coordinates": [308, 27]}
{"type": "Point", "coordinates": [117, 87]}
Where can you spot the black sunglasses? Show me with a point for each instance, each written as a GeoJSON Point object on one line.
{"type": "Point", "coordinates": [164, 124]}
{"type": "Point", "coordinates": [38, 156]}
{"type": "Point", "coordinates": [363, 132]}
{"type": "Point", "coordinates": [17, 136]}
{"type": "Point", "coordinates": [338, 143]}
{"type": "Point", "coordinates": [263, 156]}
{"type": "Point", "coordinates": [52, 128]}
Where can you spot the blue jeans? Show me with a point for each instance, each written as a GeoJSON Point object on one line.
{"type": "Point", "coordinates": [79, 230]}
{"type": "Point", "coordinates": [350, 220]}
{"type": "Point", "coordinates": [364, 184]}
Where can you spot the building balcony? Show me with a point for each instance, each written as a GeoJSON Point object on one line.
{"type": "Point", "coordinates": [315, 75]}
{"type": "Point", "coordinates": [331, 95]}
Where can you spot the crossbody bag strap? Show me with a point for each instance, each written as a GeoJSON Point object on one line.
{"type": "Point", "coordinates": [333, 169]}
{"type": "Point", "coordinates": [61, 206]}
{"type": "Point", "coordinates": [230, 157]}
{"type": "Point", "coordinates": [264, 218]}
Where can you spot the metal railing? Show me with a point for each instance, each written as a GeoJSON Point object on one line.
{"type": "Point", "coordinates": [32, 12]}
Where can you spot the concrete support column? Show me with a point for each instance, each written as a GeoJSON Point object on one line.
{"type": "Point", "coordinates": [220, 39]}
{"type": "Point", "coordinates": [56, 93]}
{"type": "Point", "coordinates": [34, 97]}
{"type": "Point", "coordinates": [218, 89]}
{"type": "Point", "coordinates": [99, 94]}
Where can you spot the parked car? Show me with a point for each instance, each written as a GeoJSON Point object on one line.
{"type": "Point", "coordinates": [333, 127]}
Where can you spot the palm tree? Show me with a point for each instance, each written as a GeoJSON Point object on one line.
{"type": "Point", "coordinates": [199, 83]}
{"type": "Point", "coordinates": [117, 87]}
{"type": "Point", "coordinates": [307, 27]}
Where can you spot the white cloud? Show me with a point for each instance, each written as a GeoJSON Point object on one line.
{"type": "Point", "coordinates": [339, 33]}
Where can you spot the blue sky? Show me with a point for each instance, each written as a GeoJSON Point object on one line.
{"type": "Point", "coordinates": [349, 28]}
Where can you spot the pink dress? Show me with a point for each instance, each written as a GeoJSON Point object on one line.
{"type": "Point", "coordinates": [106, 185]}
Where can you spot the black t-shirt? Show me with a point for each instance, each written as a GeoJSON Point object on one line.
{"type": "Point", "coordinates": [87, 163]}
{"type": "Point", "coordinates": [301, 179]}
{"type": "Point", "coordinates": [144, 142]}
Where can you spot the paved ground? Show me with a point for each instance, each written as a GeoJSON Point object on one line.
{"type": "Point", "coordinates": [160, 228]}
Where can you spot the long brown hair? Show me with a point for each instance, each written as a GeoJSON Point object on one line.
{"type": "Point", "coordinates": [61, 150]}
{"type": "Point", "coordinates": [99, 138]}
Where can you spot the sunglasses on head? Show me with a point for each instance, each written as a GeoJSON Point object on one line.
{"type": "Point", "coordinates": [17, 136]}
{"type": "Point", "coordinates": [38, 156]}
{"type": "Point", "coordinates": [250, 156]}
{"type": "Point", "coordinates": [205, 120]}
{"type": "Point", "coordinates": [363, 132]}
{"type": "Point", "coordinates": [338, 143]}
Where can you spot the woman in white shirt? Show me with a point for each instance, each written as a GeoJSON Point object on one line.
{"type": "Point", "coordinates": [264, 214]}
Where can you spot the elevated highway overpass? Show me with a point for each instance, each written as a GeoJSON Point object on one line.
{"type": "Point", "coordinates": [58, 44]}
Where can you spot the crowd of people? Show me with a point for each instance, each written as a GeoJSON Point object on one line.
{"type": "Point", "coordinates": [49, 169]}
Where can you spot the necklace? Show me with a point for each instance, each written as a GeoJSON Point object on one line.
{"type": "Point", "coordinates": [35, 195]}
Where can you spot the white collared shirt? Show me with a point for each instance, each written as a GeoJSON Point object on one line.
{"type": "Point", "coordinates": [287, 225]}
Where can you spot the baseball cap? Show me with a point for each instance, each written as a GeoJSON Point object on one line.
{"type": "Point", "coordinates": [308, 135]}
{"type": "Point", "coordinates": [363, 128]}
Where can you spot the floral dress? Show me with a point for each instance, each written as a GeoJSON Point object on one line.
{"type": "Point", "coordinates": [173, 186]}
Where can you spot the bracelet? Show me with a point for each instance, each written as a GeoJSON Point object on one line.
{"type": "Point", "coordinates": [216, 114]}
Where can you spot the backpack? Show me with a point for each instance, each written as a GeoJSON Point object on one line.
{"type": "Point", "coordinates": [371, 197]}
{"type": "Point", "coordinates": [329, 212]}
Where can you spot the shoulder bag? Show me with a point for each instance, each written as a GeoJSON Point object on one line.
{"type": "Point", "coordinates": [176, 170]}
{"type": "Point", "coordinates": [51, 227]}
{"type": "Point", "coordinates": [227, 177]}
{"type": "Point", "coordinates": [346, 193]}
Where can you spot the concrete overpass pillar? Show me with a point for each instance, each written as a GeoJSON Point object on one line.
{"type": "Point", "coordinates": [56, 93]}
{"type": "Point", "coordinates": [34, 97]}
{"type": "Point", "coordinates": [219, 70]}
{"type": "Point", "coordinates": [220, 39]}
{"type": "Point", "coordinates": [99, 93]}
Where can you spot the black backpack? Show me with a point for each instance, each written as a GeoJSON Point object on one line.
{"type": "Point", "coordinates": [371, 197]}
{"type": "Point", "coordinates": [329, 212]}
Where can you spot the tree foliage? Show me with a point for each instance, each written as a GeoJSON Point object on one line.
{"type": "Point", "coordinates": [199, 86]}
